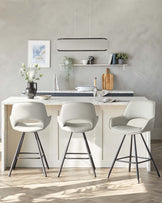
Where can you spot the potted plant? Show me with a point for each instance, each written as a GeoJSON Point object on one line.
{"type": "Point", "coordinates": [121, 57]}
{"type": "Point", "coordinates": [31, 75]}
{"type": "Point", "coordinates": [68, 64]}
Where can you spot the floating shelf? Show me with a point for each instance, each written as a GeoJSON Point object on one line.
{"type": "Point", "coordinates": [98, 65]}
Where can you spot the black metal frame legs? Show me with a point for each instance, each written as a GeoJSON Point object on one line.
{"type": "Point", "coordinates": [89, 155]}
{"type": "Point", "coordinates": [14, 161]}
{"type": "Point", "coordinates": [136, 157]}
{"type": "Point", "coordinates": [150, 156]}
{"type": "Point", "coordinates": [41, 154]}
{"type": "Point", "coordinates": [116, 156]}
{"type": "Point", "coordinates": [65, 155]}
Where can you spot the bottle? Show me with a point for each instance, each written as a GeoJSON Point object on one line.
{"type": "Point", "coordinates": [95, 82]}
{"type": "Point", "coordinates": [95, 87]}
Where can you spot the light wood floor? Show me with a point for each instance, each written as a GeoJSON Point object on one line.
{"type": "Point", "coordinates": [77, 185]}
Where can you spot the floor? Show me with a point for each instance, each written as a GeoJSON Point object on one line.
{"type": "Point", "coordinates": [78, 185]}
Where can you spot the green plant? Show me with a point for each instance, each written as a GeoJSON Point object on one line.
{"type": "Point", "coordinates": [121, 56]}
{"type": "Point", "coordinates": [30, 74]}
{"type": "Point", "coordinates": [68, 64]}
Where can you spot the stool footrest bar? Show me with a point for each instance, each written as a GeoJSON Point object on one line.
{"type": "Point", "coordinates": [75, 153]}
{"type": "Point", "coordinates": [28, 157]}
{"type": "Point", "coordinates": [28, 153]}
{"type": "Point", "coordinates": [132, 162]}
{"type": "Point", "coordinates": [75, 158]}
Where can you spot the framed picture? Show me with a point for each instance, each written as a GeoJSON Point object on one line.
{"type": "Point", "coordinates": [39, 53]}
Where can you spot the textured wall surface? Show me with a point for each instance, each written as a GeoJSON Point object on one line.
{"type": "Point", "coordinates": [131, 26]}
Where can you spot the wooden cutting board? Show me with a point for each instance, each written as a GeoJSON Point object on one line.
{"type": "Point", "coordinates": [107, 80]}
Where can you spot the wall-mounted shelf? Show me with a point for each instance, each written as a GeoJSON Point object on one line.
{"type": "Point", "coordinates": [98, 65]}
{"type": "Point", "coordinates": [81, 44]}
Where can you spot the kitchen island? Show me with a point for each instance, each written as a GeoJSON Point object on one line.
{"type": "Point", "coordinates": [102, 142]}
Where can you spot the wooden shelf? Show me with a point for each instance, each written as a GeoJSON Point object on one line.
{"type": "Point", "coordinates": [98, 65]}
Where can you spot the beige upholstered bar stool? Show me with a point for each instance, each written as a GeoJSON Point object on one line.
{"type": "Point", "coordinates": [128, 124]}
{"type": "Point", "coordinates": [29, 117]}
{"type": "Point", "coordinates": [78, 117]}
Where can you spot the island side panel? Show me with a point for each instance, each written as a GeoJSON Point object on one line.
{"type": "Point", "coordinates": [4, 134]}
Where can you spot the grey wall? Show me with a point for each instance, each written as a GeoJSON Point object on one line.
{"type": "Point", "coordinates": [132, 26]}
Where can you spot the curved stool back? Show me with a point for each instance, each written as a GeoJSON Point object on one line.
{"type": "Point", "coordinates": [31, 111]}
{"type": "Point", "coordinates": [78, 111]}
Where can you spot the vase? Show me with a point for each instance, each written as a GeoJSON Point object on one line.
{"type": "Point", "coordinates": [31, 90]}
{"type": "Point", "coordinates": [120, 61]}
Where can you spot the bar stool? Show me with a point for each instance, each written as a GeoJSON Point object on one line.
{"type": "Point", "coordinates": [78, 117]}
{"type": "Point", "coordinates": [29, 117]}
{"type": "Point", "coordinates": [137, 118]}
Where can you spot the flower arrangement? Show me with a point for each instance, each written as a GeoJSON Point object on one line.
{"type": "Point", "coordinates": [30, 74]}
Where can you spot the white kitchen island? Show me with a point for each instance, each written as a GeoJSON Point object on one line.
{"type": "Point", "coordinates": [102, 142]}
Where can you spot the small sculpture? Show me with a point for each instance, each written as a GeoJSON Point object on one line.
{"type": "Point", "coordinates": [91, 60]}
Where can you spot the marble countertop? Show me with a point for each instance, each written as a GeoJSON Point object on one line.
{"type": "Point", "coordinates": [62, 100]}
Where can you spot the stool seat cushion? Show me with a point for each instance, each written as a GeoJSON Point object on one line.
{"type": "Point", "coordinates": [76, 127]}
{"type": "Point", "coordinates": [128, 130]}
{"type": "Point", "coordinates": [28, 127]}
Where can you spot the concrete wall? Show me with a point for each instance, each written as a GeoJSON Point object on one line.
{"type": "Point", "coordinates": [131, 26]}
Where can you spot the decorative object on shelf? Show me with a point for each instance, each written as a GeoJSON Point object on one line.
{"type": "Point", "coordinates": [31, 74]}
{"type": "Point", "coordinates": [39, 53]}
{"type": "Point", "coordinates": [113, 59]}
{"type": "Point", "coordinates": [121, 57]}
{"type": "Point", "coordinates": [107, 80]}
{"type": "Point", "coordinates": [109, 58]}
{"type": "Point", "coordinates": [68, 64]}
{"type": "Point", "coordinates": [81, 44]}
{"type": "Point", "coordinates": [84, 62]}
{"type": "Point", "coordinates": [91, 60]}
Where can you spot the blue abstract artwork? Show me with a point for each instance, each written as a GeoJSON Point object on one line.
{"type": "Point", "coordinates": [39, 54]}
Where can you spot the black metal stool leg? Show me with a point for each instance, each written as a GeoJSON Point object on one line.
{"type": "Point", "coordinates": [136, 157]}
{"type": "Point", "coordinates": [116, 157]}
{"type": "Point", "coordinates": [40, 153]}
{"type": "Point", "coordinates": [130, 155]}
{"type": "Point", "coordinates": [13, 165]}
{"type": "Point", "coordinates": [90, 155]}
{"type": "Point", "coordinates": [88, 149]}
{"type": "Point", "coordinates": [45, 159]}
{"type": "Point", "coordinates": [150, 156]}
{"type": "Point", "coordinates": [65, 155]}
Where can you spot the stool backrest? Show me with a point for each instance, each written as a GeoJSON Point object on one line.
{"type": "Point", "coordinates": [140, 109]}
{"type": "Point", "coordinates": [78, 111]}
{"type": "Point", "coordinates": [29, 111]}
